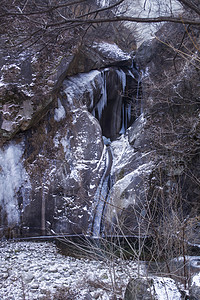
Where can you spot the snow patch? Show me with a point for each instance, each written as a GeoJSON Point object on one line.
{"type": "Point", "coordinates": [75, 174]}
{"type": "Point", "coordinates": [196, 280]}
{"type": "Point", "coordinates": [66, 145]}
{"type": "Point", "coordinates": [8, 67]}
{"type": "Point", "coordinates": [1, 82]}
{"type": "Point", "coordinates": [103, 3]}
{"type": "Point", "coordinates": [79, 84]}
{"type": "Point", "coordinates": [123, 183]}
{"type": "Point", "coordinates": [7, 125]}
{"type": "Point", "coordinates": [166, 289]}
{"type": "Point", "coordinates": [92, 186]}
{"type": "Point", "coordinates": [112, 51]}
{"type": "Point", "coordinates": [121, 149]}
{"type": "Point", "coordinates": [59, 113]}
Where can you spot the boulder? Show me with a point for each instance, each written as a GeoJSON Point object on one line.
{"type": "Point", "coordinates": [139, 289]}
{"type": "Point", "coordinates": [194, 292]}
{"type": "Point", "coordinates": [152, 288]}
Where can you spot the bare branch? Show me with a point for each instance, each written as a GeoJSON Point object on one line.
{"type": "Point", "coordinates": [41, 11]}
{"type": "Point", "coordinates": [129, 19]}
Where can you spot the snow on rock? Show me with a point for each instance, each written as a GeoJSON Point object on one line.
{"type": "Point", "coordinates": [7, 125]}
{"type": "Point", "coordinates": [126, 190]}
{"type": "Point", "coordinates": [112, 51]}
{"type": "Point", "coordinates": [156, 288]}
{"type": "Point", "coordinates": [1, 82]}
{"type": "Point", "coordinates": [79, 85]}
{"type": "Point", "coordinates": [136, 129]}
{"type": "Point", "coordinates": [166, 288]}
{"type": "Point", "coordinates": [196, 280]}
{"type": "Point", "coordinates": [123, 183]}
{"type": "Point", "coordinates": [192, 261]}
{"type": "Point", "coordinates": [121, 152]}
{"type": "Point", "coordinates": [103, 3]}
{"type": "Point", "coordinates": [131, 170]}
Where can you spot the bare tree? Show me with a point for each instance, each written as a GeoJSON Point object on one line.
{"type": "Point", "coordinates": [49, 21]}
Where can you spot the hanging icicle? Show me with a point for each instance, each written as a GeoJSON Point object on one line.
{"type": "Point", "coordinates": [103, 101]}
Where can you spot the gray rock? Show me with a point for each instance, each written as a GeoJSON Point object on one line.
{"type": "Point", "coordinates": [87, 296]}
{"type": "Point", "coordinates": [53, 269]}
{"type": "Point", "coordinates": [35, 285]}
{"type": "Point", "coordinates": [139, 289]}
{"type": "Point", "coordinates": [98, 55]}
{"type": "Point", "coordinates": [28, 277]}
{"type": "Point", "coordinates": [194, 292]}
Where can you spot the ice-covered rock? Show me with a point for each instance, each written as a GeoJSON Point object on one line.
{"type": "Point", "coordinates": [155, 288]}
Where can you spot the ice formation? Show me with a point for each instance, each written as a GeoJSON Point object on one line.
{"type": "Point", "coordinates": [59, 112]}
{"type": "Point", "coordinates": [12, 177]}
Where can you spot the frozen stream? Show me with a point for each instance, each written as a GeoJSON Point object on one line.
{"type": "Point", "coordinates": [31, 270]}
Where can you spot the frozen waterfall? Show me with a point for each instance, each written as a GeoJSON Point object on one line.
{"type": "Point", "coordinates": [118, 106]}
{"type": "Point", "coordinates": [101, 197]}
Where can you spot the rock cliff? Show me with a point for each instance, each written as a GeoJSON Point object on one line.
{"type": "Point", "coordinates": [96, 136]}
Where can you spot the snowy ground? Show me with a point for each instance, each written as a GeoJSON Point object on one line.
{"type": "Point", "coordinates": [31, 270]}
{"type": "Point", "coordinates": [37, 271]}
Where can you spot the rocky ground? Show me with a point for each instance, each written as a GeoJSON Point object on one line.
{"type": "Point", "coordinates": [31, 271]}
{"type": "Point", "coordinates": [37, 271]}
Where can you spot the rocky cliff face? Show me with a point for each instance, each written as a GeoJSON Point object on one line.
{"type": "Point", "coordinates": [52, 153]}
{"type": "Point", "coordinates": [92, 144]}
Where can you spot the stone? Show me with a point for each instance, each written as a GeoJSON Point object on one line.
{"type": "Point", "coordinates": [98, 55]}
{"type": "Point", "coordinates": [139, 289]}
{"type": "Point", "coordinates": [35, 285]}
{"type": "Point", "coordinates": [87, 296]}
{"type": "Point", "coordinates": [53, 269]}
{"type": "Point", "coordinates": [28, 277]}
{"type": "Point", "coordinates": [194, 292]}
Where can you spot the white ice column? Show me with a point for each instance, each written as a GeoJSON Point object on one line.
{"type": "Point", "coordinates": [12, 177]}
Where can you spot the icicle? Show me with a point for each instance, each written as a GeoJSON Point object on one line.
{"type": "Point", "coordinates": [122, 131]}
{"type": "Point", "coordinates": [91, 93]}
{"type": "Point", "coordinates": [122, 77]}
{"type": "Point", "coordinates": [103, 101]}
{"type": "Point", "coordinates": [59, 113]}
{"type": "Point", "coordinates": [93, 112]}
{"type": "Point", "coordinates": [129, 112]}
{"type": "Point", "coordinates": [141, 102]}
{"type": "Point", "coordinates": [126, 118]}
{"type": "Point", "coordinates": [131, 74]}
